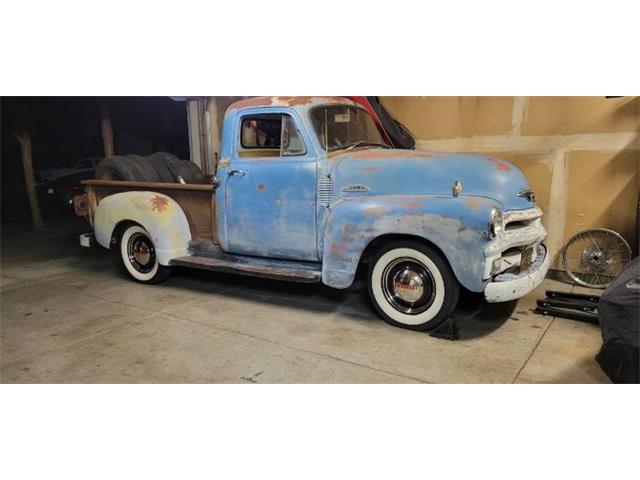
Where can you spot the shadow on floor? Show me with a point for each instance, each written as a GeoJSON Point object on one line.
{"type": "Point", "coordinates": [476, 318]}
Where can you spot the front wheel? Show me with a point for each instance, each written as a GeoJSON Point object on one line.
{"type": "Point", "coordinates": [412, 286]}
{"type": "Point", "coordinates": [138, 255]}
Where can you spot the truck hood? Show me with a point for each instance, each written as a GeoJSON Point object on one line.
{"type": "Point", "coordinates": [411, 172]}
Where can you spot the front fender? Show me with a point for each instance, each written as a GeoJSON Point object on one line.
{"type": "Point", "coordinates": [159, 214]}
{"type": "Point", "coordinates": [457, 226]}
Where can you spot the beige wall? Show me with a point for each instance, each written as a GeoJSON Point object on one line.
{"type": "Point", "coordinates": [581, 155]}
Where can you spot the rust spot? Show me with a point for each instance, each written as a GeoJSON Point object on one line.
{"type": "Point", "coordinates": [411, 204]}
{"type": "Point", "coordinates": [338, 247]}
{"type": "Point", "coordinates": [473, 202]}
{"type": "Point", "coordinates": [251, 102]}
{"type": "Point", "coordinates": [389, 154]}
{"type": "Point", "coordinates": [260, 187]}
{"type": "Point", "coordinates": [293, 101]}
{"type": "Point", "coordinates": [500, 164]}
{"type": "Point", "coordinates": [287, 101]}
{"type": "Point", "coordinates": [159, 203]}
{"type": "Point", "coordinates": [225, 162]}
{"type": "Point", "coordinates": [370, 169]}
{"type": "Point", "coordinates": [81, 205]}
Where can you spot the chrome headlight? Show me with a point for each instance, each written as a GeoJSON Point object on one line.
{"type": "Point", "coordinates": [496, 222]}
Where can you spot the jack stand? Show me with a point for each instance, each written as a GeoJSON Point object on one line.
{"type": "Point", "coordinates": [447, 330]}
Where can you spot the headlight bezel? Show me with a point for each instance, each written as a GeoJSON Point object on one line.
{"type": "Point", "coordinates": [496, 222]}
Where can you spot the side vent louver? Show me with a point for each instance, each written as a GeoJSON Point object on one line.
{"type": "Point", "coordinates": [325, 190]}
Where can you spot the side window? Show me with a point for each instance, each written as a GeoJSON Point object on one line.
{"type": "Point", "coordinates": [291, 139]}
{"type": "Point", "coordinates": [270, 135]}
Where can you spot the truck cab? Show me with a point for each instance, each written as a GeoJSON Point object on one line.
{"type": "Point", "coordinates": [308, 190]}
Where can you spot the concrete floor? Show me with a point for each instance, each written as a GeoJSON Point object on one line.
{"type": "Point", "coordinates": [69, 315]}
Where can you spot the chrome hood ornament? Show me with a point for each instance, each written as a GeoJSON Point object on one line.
{"type": "Point", "coordinates": [456, 190]}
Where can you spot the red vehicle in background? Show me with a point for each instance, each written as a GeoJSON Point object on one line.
{"type": "Point", "coordinates": [393, 132]}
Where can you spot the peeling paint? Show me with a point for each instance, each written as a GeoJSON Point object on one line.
{"type": "Point", "coordinates": [500, 164]}
{"type": "Point", "coordinates": [473, 202]}
{"type": "Point", "coordinates": [288, 102]}
{"type": "Point", "coordinates": [353, 224]}
{"type": "Point", "coordinates": [159, 204]}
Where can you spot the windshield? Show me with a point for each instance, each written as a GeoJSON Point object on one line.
{"type": "Point", "coordinates": [344, 126]}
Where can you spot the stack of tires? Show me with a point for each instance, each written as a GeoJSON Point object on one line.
{"type": "Point", "coordinates": [159, 167]}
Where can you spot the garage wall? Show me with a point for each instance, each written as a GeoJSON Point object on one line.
{"type": "Point", "coordinates": [581, 155]}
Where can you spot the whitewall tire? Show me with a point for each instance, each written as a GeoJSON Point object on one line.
{"type": "Point", "coordinates": [137, 252]}
{"type": "Point", "coordinates": [412, 286]}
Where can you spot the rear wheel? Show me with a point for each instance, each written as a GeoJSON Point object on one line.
{"type": "Point", "coordinates": [412, 286]}
{"type": "Point", "coordinates": [138, 256]}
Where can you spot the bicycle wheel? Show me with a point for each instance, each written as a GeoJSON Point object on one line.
{"type": "Point", "coordinates": [593, 258]}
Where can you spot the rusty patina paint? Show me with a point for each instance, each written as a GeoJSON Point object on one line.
{"type": "Point", "coordinates": [445, 221]}
{"type": "Point", "coordinates": [169, 231]}
{"type": "Point", "coordinates": [500, 164]}
{"type": "Point", "coordinates": [474, 202]}
{"type": "Point", "coordinates": [404, 192]}
{"type": "Point", "coordinates": [81, 205]}
{"type": "Point", "coordinates": [159, 204]}
{"type": "Point", "coordinates": [298, 101]}
{"type": "Point", "coordinates": [389, 154]}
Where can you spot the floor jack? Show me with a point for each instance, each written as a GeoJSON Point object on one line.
{"type": "Point", "coordinates": [574, 306]}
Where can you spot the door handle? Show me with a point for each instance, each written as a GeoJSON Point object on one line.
{"type": "Point", "coordinates": [240, 173]}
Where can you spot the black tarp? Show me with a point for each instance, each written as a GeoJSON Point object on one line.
{"type": "Point", "coordinates": [619, 315]}
{"type": "Point", "coordinates": [398, 133]}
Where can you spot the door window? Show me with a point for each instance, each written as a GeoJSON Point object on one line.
{"type": "Point", "coordinates": [270, 135]}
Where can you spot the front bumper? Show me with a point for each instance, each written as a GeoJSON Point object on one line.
{"type": "Point", "coordinates": [509, 286]}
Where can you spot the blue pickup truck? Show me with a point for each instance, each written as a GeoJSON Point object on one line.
{"type": "Point", "coordinates": [306, 190]}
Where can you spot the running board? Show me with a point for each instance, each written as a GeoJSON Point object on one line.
{"type": "Point", "coordinates": [216, 260]}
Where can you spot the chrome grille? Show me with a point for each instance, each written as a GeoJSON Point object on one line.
{"type": "Point", "coordinates": [325, 190]}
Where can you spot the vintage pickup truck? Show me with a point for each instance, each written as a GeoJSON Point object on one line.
{"type": "Point", "coordinates": [306, 190]}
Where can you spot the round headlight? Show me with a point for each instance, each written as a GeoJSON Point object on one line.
{"type": "Point", "coordinates": [496, 222]}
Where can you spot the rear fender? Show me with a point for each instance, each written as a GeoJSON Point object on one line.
{"type": "Point", "coordinates": [457, 226]}
{"type": "Point", "coordinates": [159, 214]}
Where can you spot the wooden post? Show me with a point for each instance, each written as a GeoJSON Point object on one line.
{"type": "Point", "coordinates": [24, 138]}
{"type": "Point", "coordinates": [214, 133]}
{"type": "Point", "coordinates": [107, 130]}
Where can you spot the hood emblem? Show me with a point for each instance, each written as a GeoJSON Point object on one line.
{"type": "Point", "coordinates": [528, 194]}
{"type": "Point", "coordinates": [356, 188]}
{"type": "Point", "coordinates": [456, 190]}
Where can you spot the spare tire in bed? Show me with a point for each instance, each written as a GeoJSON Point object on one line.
{"type": "Point", "coordinates": [119, 168]}
{"type": "Point", "coordinates": [149, 172]}
{"type": "Point", "coordinates": [158, 160]}
{"type": "Point", "coordinates": [185, 169]}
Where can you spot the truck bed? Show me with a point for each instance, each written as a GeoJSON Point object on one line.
{"type": "Point", "coordinates": [197, 201]}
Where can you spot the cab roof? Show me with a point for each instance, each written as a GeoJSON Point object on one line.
{"type": "Point", "coordinates": [289, 102]}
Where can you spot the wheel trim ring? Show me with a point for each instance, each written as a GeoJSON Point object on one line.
{"type": "Point", "coordinates": [141, 241]}
{"type": "Point", "coordinates": [402, 305]}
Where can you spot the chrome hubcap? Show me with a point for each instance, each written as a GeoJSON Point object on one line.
{"type": "Point", "coordinates": [142, 255]}
{"type": "Point", "coordinates": [408, 286]}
